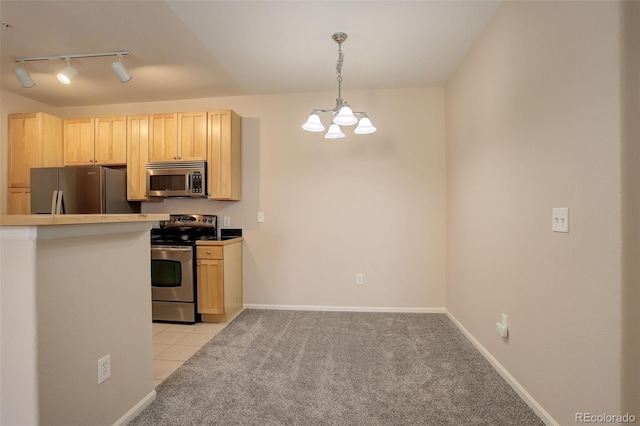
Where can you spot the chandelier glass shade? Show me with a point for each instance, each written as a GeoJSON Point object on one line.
{"type": "Point", "coordinates": [343, 114]}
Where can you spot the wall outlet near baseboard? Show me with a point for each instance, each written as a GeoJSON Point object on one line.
{"type": "Point", "coordinates": [502, 327]}
{"type": "Point", "coordinates": [104, 368]}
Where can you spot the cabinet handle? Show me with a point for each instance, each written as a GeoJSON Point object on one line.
{"type": "Point", "coordinates": [208, 252]}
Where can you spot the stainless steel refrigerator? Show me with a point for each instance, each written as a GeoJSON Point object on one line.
{"type": "Point", "coordinates": [80, 190]}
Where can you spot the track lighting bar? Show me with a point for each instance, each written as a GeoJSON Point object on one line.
{"type": "Point", "coordinates": [69, 72]}
{"type": "Point", "coordinates": [73, 56]}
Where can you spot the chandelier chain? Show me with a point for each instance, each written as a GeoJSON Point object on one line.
{"type": "Point", "coordinates": [339, 72]}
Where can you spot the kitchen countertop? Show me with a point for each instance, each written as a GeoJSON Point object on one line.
{"type": "Point", "coordinates": [76, 219]}
{"type": "Point", "coordinates": [219, 242]}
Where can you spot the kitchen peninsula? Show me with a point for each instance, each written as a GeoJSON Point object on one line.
{"type": "Point", "coordinates": [74, 289]}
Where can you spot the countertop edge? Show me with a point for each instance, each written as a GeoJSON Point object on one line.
{"type": "Point", "coordinates": [220, 242]}
{"type": "Point", "coordinates": [77, 219]}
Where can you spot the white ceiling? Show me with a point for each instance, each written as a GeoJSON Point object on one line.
{"type": "Point", "coordinates": [199, 49]}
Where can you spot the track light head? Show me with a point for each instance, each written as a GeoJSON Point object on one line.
{"type": "Point", "coordinates": [120, 70]}
{"type": "Point", "coordinates": [68, 73]}
{"type": "Point", "coordinates": [23, 76]}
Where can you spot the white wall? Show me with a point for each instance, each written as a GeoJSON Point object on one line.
{"type": "Point", "coordinates": [71, 295]}
{"type": "Point", "coordinates": [533, 122]}
{"type": "Point", "coordinates": [630, 90]}
{"type": "Point", "coordinates": [366, 203]}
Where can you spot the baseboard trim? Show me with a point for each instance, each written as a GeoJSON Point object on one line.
{"type": "Point", "coordinates": [345, 308]}
{"type": "Point", "coordinates": [137, 409]}
{"type": "Point", "coordinates": [526, 396]}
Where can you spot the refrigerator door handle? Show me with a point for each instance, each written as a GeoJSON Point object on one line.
{"type": "Point", "coordinates": [59, 203]}
{"type": "Point", "coordinates": [54, 200]}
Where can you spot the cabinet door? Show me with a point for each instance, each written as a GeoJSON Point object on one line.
{"type": "Point", "coordinates": [50, 146]}
{"type": "Point", "coordinates": [23, 148]}
{"type": "Point", "coordinates": [79, 138]}
{"type": "Point", "coordinates": [137, 157]}
{"type": "Point", "coordinates": [19, 201]}
{"type": "Point", "coordinates": [192, 136]}
{"type": "Point", "coordinates": [224, 158]}
{"type": "Point", "coordinates": [111, 140]}
{"type": "Point", "coordinates": [34, 140]}
{"type": "Point", "coordinates": [163, 138]}
{"type": "Point", "coordinates": [210, 286]}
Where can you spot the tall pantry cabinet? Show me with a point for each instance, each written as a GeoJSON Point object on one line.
{"type": "Point", "coordinates": [34, 140]}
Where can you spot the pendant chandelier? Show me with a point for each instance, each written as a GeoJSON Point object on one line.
{"type": "Point", "coordinates": [343, 114]}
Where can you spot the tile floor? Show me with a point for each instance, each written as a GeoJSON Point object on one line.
{"type": "Point", "coordinates": [173, 344]}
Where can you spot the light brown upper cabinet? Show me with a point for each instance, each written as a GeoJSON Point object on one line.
{"type": "Point", "coordinates": [137, 157]}
{"type": "Point", "coordinates": [178, 137]}
{"type": "Point", "coordinates": [34, 140]}
{"type": "Point", "coordinates": [95, 141]}
{"type": "Point", "coordinates": [224, 159]}
{"type": "Point", "coordinates": [111, 140]}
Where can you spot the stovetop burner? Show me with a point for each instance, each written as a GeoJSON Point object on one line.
{"type": "Point", "coordinates": [185, 229]}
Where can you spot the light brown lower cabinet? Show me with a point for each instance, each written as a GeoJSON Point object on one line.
{"type": "Point", "coordinates": [219, 277]}
{"type": "Point", "coordinates": [19, 201]}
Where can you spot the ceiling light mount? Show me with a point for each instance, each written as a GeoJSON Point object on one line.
{"type": "Point", "coordinates": [343, 114]}
{"type": "Point", "coordinates": [339, 37]}
{"type": "Point", "coordinates": [69, 72]}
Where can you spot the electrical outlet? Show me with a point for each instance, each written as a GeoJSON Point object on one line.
{"type": "Point", "coordinates": [226, 221]}
{"type": "Point", "coordinates": [260, 217]}
{"type": "Point", "coordinates": [104, 368]}
{"type": "Point", "coordinates": [560, 219]}
{"type": "Point", "coordinates": [502, 327]}
{"type": "Point", "coordinates": [359, 278]}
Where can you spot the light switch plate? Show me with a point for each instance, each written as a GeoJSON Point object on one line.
{"type": "Point", "coordinates": [560, 219]}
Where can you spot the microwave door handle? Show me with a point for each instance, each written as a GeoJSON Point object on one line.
{"type": "Point", "coordinates": [188, 176]}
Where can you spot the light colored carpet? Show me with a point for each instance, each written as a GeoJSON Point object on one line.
{"type": "Point", "coordinates": [337, 368]}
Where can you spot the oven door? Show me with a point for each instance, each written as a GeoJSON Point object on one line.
{"type": "Point", "coordinates": [172, 273]}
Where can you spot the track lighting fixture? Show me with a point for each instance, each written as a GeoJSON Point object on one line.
{"type": "Point", "coordinates": [343, 114]}
{"type": "Point", "coordinates": [23, 76]}
{"type": "Point", "coordinates": [69, 72]}
{"type": "Point", "coordinates": [121, 71]}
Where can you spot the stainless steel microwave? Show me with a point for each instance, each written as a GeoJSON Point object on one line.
{"type": "Point", "coordinates": [177, 179]}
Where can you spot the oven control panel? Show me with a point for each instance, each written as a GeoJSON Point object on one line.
{"type": "Point", "coordinates": [190, 221]}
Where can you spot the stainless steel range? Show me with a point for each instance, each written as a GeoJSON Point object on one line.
{"type": "Point", "coordinates": [173, 266]}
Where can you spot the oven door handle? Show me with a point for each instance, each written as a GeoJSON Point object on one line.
{"type": "Point", "coordinates": [171, 248]}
